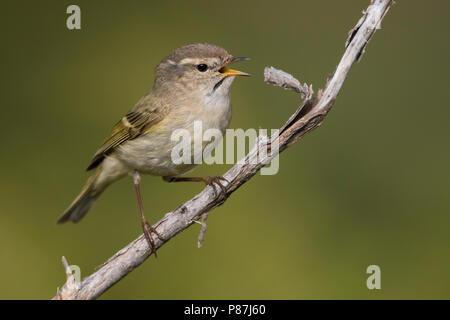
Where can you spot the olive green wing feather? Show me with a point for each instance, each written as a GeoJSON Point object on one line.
{"type": "Point", "coordinates": [131, 126]}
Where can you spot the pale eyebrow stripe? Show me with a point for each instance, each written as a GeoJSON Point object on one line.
{"type": "Point", "coordinates": [189, 61]}
{"type": "Point", "coordinates": [209, 61]}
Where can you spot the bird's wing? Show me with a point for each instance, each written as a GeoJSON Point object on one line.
{"type": "Point", "coordinates": [131, 126]}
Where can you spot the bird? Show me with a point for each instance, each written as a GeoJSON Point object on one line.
{"type": "Point", "coordinates": [191, 84]}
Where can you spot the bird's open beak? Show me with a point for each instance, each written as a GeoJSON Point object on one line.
{"type": "Point", "coordinates": [225, 71]}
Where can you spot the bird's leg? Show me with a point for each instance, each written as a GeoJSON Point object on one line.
{"type": "Point", "coordinates": [146, 227]}
{"type": "Point", "coordinates": [211, 181]}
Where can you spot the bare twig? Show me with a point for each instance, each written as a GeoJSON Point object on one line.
{"type": "Point", "coordinates": [201, 235]}
{"type": "Point", "coordinates": [285, 80]}
{"type": "Point", "coordinates": [70, 287]}
{"type": "Point", "coordinates": [308, 116]}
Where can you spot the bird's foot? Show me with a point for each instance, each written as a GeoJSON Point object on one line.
{"type": "Point", "coordinates": [217, 180]}
{"type": "Point", "coordinates": [148, 231]}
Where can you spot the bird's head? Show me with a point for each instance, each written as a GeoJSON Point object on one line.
{"type": "Point", "coordinates": [198, 68]}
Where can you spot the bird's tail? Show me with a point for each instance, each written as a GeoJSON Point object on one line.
{"type": "Point", "coordinates": [81, 205]}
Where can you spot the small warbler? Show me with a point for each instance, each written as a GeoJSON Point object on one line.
{"type": "Point", "coordinates": [191, 84]}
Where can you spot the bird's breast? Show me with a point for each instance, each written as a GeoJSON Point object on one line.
{"type": "Point", "coordinates": [152, 152]}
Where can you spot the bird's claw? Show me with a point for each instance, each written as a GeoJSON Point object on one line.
{"type": "Point", "coordinates": [148, 230]}
{"type": "Point", "coordinates": [217, 180]}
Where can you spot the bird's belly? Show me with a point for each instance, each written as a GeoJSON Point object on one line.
{"type": "Point", "coordinates": [151, 153]}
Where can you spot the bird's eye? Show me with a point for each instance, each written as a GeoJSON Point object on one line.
{"type": "Point", "coordinates": [202, 67]}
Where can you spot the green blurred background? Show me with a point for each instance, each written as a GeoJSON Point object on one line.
{"type": "Point", "coordinates": [370, 186]}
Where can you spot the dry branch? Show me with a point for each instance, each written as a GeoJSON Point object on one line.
{"type": "Point", "coordinates": [308, 116]}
